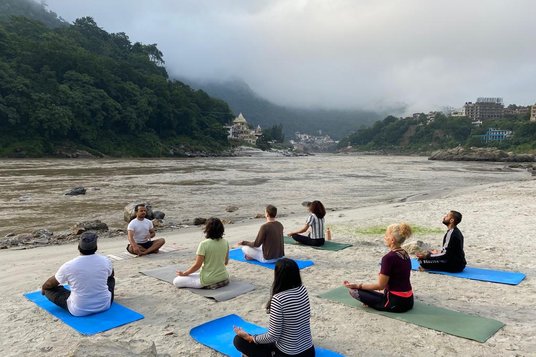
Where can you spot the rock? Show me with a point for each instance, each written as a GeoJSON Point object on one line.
{"type": "Point", "coordinates": [159, 214]}
{"type": "Point", "coordinates": [231, 208]}
{"type": "Point", "coordinates": [129, 214]}
{"type": "Point", "coordinates": [76, 191]}
{"type": "Point", "coordinates": [199, 221]}
{"type": "Point", "coordinates": [228, 221]}
{"type": "Point", "coordinates": [460, 153]}
{"type": "Point", "coordinates": [306, 203]}
{"type": "Point", "coordinates": [19, 239]}
{"type": "Point", "coordinates": [259, 215]}
{"type": "Point", "coordinates": [416, 247]}
{"type": "Point", "coordinates": [102, 347]}
{"type": "Point", "coordinates": [42, 233]}
{"type": "Point", "coordinates": [95, 225]}
{"type": "Point", "coordinates": [157, 223]}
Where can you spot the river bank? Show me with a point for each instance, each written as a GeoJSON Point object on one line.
{"type": "Point", "coordinates": [496, 224]}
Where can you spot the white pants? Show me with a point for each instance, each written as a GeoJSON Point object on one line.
{"type": "Point", "coordinates": [191, 281]}
{"type": "Point", "coordinates": [256, 253]}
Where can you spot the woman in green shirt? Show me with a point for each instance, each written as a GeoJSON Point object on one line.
{"type": "Point", "coordinates": [212, 256]}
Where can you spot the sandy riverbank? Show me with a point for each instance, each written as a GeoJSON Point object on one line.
{"type": "Point", "coordinates": [498, 227]}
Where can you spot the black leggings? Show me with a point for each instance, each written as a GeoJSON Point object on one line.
{"type": "Point", "coordinates": [59, 295]}
{"type": "Point", "coordinates": [308, 240]}
{"type": "Point", "coordinates": [383, 302]}
{"type": "Point", "coordinates": [441, 264]}
{"type": "Point", "coordinates": [265, 350]}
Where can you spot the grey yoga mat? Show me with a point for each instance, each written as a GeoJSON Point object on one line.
{"type": "Point", "coordinates": [234, 289]}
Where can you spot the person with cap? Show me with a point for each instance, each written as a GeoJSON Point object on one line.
{"type": "Point", "coordinates": [141, 233]}
{"type": "Point", "coordinates": [90, 277]}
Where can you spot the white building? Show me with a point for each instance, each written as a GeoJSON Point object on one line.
{"type": "Point", "coordinates": [240, 130]}
{"type": "Point", "coordinates": [533, 113]}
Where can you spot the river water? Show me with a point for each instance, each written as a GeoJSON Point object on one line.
{"type": "Point", "coordinates": [33, 191]}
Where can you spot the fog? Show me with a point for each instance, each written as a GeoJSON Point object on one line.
{"type": "Point", "coordinates": [345, 54]}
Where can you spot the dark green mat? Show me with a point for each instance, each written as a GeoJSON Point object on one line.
{"type": "Point", "coordinates": [328, 245]}
{"type": "Point", "coordinates": [436, 318]}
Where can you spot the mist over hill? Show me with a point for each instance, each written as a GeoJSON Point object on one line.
{"type": "Point", "coordinates": [259, 111]}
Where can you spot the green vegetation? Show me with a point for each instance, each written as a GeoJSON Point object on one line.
{"type": "Point", "coordinates": [421, 135]}
{"type": "Point", "coordinates": [380, 230]}
{"type": "Point", "coordinates": [77, 86]}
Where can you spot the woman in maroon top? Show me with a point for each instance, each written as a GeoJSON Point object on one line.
{"type": "Point", "coordinates": [394, 276]}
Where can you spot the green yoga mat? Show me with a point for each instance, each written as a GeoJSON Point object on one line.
{"type": "Point", "coordinates": [328, 245]}
{"type": "Point", "coordinates": [436, 318]}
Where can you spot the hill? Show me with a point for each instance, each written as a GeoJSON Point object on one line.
{"type": "Point", "coordinates": [71, 87]}
{"type": "Point", "coordinates": [259, 111]}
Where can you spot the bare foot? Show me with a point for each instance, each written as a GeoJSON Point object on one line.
{"type": "Point", "coordinates": [422, 269]}
{"type": "Point", "coordinates": [248, 257]}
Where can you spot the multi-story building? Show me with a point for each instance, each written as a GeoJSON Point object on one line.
{"type": "Point", "coordinates": [513, 109]}
{"type": "Point", "coordinates": [495, 135]}
{"type": "Point", "coordinates": [240, 130]}
{"type": "Point", "coordinates": [533, 113]}
{"type": "Point", "coordinates": [484, 109]}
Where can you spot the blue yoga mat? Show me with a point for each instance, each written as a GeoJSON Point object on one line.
{"type": "Point", "coordinates": [116, 316]}
{"type": "Point", "coordinates": [489, 275]}
{"type": "Point", "coordinates": [237, 254]}
{"type": "Point", "coordinates": [218, 334]}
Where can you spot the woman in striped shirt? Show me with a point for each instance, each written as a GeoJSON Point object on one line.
{"type": "Point", "coordinates": [289, 333]}
{"type": "Point", "coordinates": [315, 222]}
{"type": "Point", "coordinates": [394, 276]}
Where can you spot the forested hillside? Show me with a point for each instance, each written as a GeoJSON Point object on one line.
{"type": "Point", "coordinates": [259, 111]}
{"type": "Point", "coordinates": [423, 134]}
{"type": "Point", "coordinates": [79, 87]}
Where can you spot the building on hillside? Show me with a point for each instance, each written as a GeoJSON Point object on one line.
{"type": "Point", "coordinates": [484, 109]}
{"type": "Point", "coordinates": [240, 130]}
{"type": "Point", "coordinates": [495, 135]}
{"type": "Point", "coordinates": [533, 113]}
{"type": "Point", "coordinates": [513, 109]}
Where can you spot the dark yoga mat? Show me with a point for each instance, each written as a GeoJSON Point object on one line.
{"type": "Point", "coordinates": [436, 318]}
{"type": "Point", "coordinates": [237, 254]}
{"type": "Point", "coordinates": [489, 275]}
{"type": "Point", "coordinates": [218, 334]}
{"type": "Point", "coordinates": [328, 245]}
{"type": "Point", "coordinates": [234, 289]}
{"type": "Point", "coordinates": [116, 316]}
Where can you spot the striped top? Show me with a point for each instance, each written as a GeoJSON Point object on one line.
{"type": "Point", "coordinates": [290, 317]}
{"type": "Point", "coordinates": [317, 226]}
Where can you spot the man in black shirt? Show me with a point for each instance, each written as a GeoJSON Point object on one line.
{"type": "Point", "coordinates": [451, 258]}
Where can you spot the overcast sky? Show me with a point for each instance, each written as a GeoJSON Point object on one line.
{"type": "Point", "coordinates": [424, 54]}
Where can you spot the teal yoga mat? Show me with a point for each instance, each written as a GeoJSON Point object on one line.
{"type": "Point", "coordinates": [436, 318]}
{"type": "Point", "coordinates": [237, 254]}
{"type": "Point", "coordinates": [489, 275]}
{"type": "Point", "coordinates": [218, 334]}
{"type": "Point", "coordinates": [328, 245]}
{"type": "Point", "coordinates": [116, 316]}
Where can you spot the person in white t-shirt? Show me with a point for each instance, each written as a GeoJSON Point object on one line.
{"type": "Point", "coordinates": [140, 233]}
{"type": "Point", "coordinates": [90, 277]}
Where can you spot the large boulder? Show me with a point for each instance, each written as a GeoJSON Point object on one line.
{"type": "Point", "coordinates": [95, 225]}
{"type": "Point", "coordinates": [129, 214]}
{"type": "Point", "coordinates": [199, 221]}
{"type": "Point", "coordinates": [416, 247]}
{"type": "Point", "coordinates": [460, 153]}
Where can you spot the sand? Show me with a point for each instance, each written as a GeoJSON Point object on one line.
{"type": "Point", "coordinates": [499, 233]}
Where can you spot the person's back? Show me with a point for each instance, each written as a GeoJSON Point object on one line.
{"type": "Point", "coordinates": [215, 252]}
{"type": "Point", "coordinates": [397, 266]}
{"type": "Point", "coordinates": [291, 311]}
{"type": "Point", "coordinates": [273, 246]}
{"type": "Point", "coordinates": [87, 276]}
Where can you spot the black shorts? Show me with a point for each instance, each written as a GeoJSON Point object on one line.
{"type": "Point", "coordinates": [145, 245]}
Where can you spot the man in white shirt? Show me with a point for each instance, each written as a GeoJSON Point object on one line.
{"type": "Point", "coordinates": [140, 233]}
{"type": "Point", "coordinates": [90, 277]}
